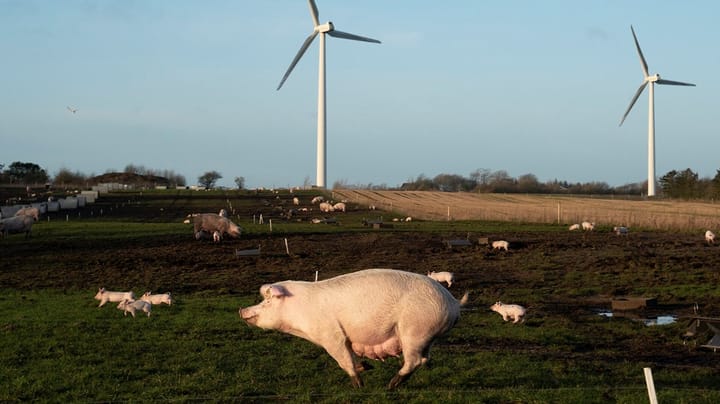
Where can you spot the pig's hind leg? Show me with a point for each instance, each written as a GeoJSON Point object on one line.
{"type": "Point", "coordinates": [414, 356]}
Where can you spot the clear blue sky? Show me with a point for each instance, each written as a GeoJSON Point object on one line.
{"type": "Point", "coordinates": [522, 86]}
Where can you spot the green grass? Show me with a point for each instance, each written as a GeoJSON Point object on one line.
{"type": "Point", "coordinates": [59, 346]}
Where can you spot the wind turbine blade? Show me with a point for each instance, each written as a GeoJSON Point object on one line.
{"type": "Point", "coordinates": [674, 83]}
{"type": "Point", "coordinates": [637, 94]}
{"type": "Point", "coordinates": [345, 35]}
{"type": "Point", "coordinates": [643, 63]}
{"type": "Point", "coordinates": [300, 53]}
{"type": "Point", "coordinates": [314, 12]}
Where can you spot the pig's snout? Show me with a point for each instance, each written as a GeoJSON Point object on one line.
{"type": "Point", "coordinates": [248, 315]}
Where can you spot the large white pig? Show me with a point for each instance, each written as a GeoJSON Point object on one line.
{"type": "Point", "coordinates": [375, 313]}
{"type": "Point", "coordinates": [212, 222]}
{"type": "Point", "coordinates": [16, 224]}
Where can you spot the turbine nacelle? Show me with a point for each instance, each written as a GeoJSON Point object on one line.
{"type": "Point", "coordinates": [323, 28]}
{"type": "Point", "coordinates": [651, 79]}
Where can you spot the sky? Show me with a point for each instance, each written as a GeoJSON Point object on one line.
{"type": "Point", "coordinates": [527, 87]}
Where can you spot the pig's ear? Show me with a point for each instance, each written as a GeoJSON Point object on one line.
{"type": "Point", "coordinates": [276, 291]}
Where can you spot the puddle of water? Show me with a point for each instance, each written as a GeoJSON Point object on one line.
{"type": "Point", "coordinates": [649, 321]}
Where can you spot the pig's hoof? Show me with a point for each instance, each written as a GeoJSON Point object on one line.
{"type": "Point", "coordinates": [396, 381]}
{"type": "Point", "coordinates": [356, 382]}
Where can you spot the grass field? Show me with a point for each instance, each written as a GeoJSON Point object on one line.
{"type": "Point", "coordinates": [56, 345]}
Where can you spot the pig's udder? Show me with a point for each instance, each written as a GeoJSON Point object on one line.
{"type": "Point", "coordinates": [386, 349]}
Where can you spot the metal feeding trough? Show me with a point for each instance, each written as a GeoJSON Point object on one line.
{"type": "Point", "coordinates": [458, 243]}
{"type": "Point", "coordinates": [704, 325]}
{"type": "Point", "coordinates": [632, 303]}
{"type": "Point", "coordinates": [254, 252]}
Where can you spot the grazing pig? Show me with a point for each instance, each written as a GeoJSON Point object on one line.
{"type": "Point", "coordinates": [29, 211]}
{"type": "Point", "coordinates": [212, 222]}
{"type": "Point", "coordinates": [16, 224]}
{"type": "Point", "coordinates": [441, 277]}
{"type": "Point", "coordinates": [132, 306]}
{"type": "Point", "coordinates": [574, 227]}
{"type": "Point", "coordinates": [509, 311]}
{"type": "Point", "coordinates": [710, 237]}
{"type": "Point", "coordinates": [500, 244]}
{"type": "Point", "coordinates": [106, 296]}
{"type": "Point", "coordinates": [589, 226]}
{"type": "Point", "coordinates": [340, 206]}
{"type": "Point", "coordinates": [376, 313]}
{"type": "Point", "coordinates": [326, 207]}
{"type": "Point", "coordinates": [157, 299]}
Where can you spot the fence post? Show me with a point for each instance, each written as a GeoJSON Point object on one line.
{"type": "Point", "coordinates": [650, 385]}
{"type": "Point", "coordinates": [558, 212]}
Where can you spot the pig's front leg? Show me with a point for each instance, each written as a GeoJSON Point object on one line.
{"type": "Point", "coordinates": [342, 353]}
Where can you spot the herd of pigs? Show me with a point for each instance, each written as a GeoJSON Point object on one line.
{"type": "Point", "coordinates": [129, 304]}
{"type": "Point", "coordinates": [406, 314]}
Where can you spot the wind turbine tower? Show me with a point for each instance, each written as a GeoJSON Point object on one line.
{"type": "Point", "coordinates": [652, 80]}
{"type": "Point", "coordinates": [321, 29]}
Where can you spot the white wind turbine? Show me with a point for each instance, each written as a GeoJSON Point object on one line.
{"type": "Point", "coordinates": [654, 79]}
{"type": "Point", "coordinates": [327, 28]}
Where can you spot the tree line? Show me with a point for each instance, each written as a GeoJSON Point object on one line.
{"type": "Point", "coordinates": [675, 184]}
{"type": "Point", "coordinates": [27, 173]}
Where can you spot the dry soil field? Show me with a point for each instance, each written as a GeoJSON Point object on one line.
{"type": "Point", "coordinates": [605, 211]}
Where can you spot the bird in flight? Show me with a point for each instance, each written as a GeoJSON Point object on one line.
{"type": "Point", "coordinates": [73, 110]}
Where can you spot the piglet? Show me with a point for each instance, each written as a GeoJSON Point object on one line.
{"type": "Point", "coordinates": [710, 237]}
{"type": "Point", "coordinates": [107, 296]}
{"type": "Point", "coordinates": [500, 245]}
{"type": "Point", "coordinates": [132, 306]}
{"type": "Point", "coordinates": [447, 277]}
{"type": "Point", "coordinates": [158, 298]}
{"type": "Point", "coordinates": [513, 312]}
